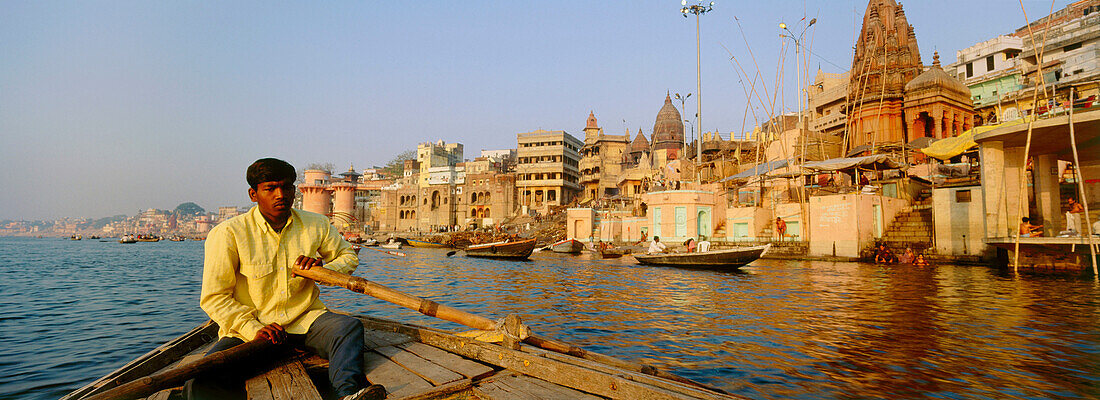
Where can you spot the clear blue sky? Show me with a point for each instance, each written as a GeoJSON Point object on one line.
{"type": "Point", "coordinates": [111, 107]}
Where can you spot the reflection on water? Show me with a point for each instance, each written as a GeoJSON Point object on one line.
{"type": "Point", "coordinates": [776, 329]}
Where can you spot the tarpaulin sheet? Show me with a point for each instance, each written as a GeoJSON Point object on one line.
{"type": "Point", "coordinates": [881, 161]}
{"type": "Point", "coordinates": [757, 169]}
{"type": "Point", "coordinates": [946, 148]}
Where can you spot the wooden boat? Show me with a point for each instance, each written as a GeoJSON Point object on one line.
{"type": "Point", "coordinates": [75, 237]}
{"type": "Point", "coordinates": [732, 258]}
{"type": "Point", "coordinates": [613, 252]}
{"type": "Point", "coordinates": [409, 361]}
{"type": "Point", "coordinates": [519, 250]}
{"type": "Point", "coordinates": [573, 246]}
{"type": "Point", "coordinates": [391, 245]}
{"type": "Point", "coordinates": [127, 239]}
{"type": "Point", "coordinates": [423, 363]}
{"type": "Point", "coordinates": [421, 243]}
{"type": "Point", "coordinates": [148, 238]}
{"type": "Point", "coordinates": [369, 243]}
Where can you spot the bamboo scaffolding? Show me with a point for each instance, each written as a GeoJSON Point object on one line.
{"type": "Point", "coordinates": [1081, 183]}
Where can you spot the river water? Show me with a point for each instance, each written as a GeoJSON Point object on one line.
{"type": "Point", "coordinates": [73, 311]}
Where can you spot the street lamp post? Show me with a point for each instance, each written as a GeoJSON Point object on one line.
{"type": "Point", "coordinates": [697, 9]}
{"type": "Point", "coordinates": [684, 122]}
{"type": "Point", "coordinates": [798, 55]}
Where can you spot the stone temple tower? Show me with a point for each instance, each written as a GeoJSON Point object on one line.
{"type": "Point", "coordinates": [668, 134]}
{"type": "Point", "coordinates": [886, 58]}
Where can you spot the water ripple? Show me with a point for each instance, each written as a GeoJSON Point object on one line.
{"type": "Point", "coordinates": [775, 330]}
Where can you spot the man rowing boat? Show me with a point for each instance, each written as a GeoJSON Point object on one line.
{"type": "Point", "coordinates": [249, 290]}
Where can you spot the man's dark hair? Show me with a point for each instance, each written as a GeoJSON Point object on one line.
{"type": "Point", "coordinates": [269, 170]}
{"type": "Point", "coordinates": [1025, 219]}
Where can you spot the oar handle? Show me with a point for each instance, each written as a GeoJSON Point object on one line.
{"type": "Point", "coordinates": [424, 306]}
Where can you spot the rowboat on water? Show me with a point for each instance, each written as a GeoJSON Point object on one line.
{"type": "Point", "coordinates": [518, 250]}
{"type": "Point", "coordinates": [717, 259]}
{"type": "Point", "coordinates": [573, 246]}
{"type": "Point", "coordinates": [497, 361]}
{"type": "Point", "coordinates": [421, 243]}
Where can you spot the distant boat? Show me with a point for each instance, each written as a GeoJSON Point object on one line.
{"type": "Point", "coordinates": [148, 238]}
{"type": "Point", "coordinates": [572, 246]}
{"type": "Point", "coordinates": [93, 237]}
{"type": "Point", "coordinates": [75, 237]}
{"type": "Point", "coordinates": [421, 243]}
{"type": "Point", "coordinates": [127, 239]}
{"type": "Point", "coordinates": [519, 250]}
{"type": "Point", "coordinates": [718, 259]}
{"type": "Point", "coordinates": [391, 245]}
{"type": "Point", "coordinates": [369, 243]}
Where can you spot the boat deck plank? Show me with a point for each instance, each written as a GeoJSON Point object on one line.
{"type": "Point", "coordinates": [528, 387]}
{"type": "Point", "coordinates": [383, 338]}
{"type": "Point", "coordinates": [399, 382]}
{"type": "Point", "coordinates": [468, 368]}
{"type": "Point", "coordinates": [287, 381]}
{"type": "Point", "coordinates": [428, 370]}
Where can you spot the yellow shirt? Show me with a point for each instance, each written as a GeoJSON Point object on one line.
{"type": "Point", "coordinates": [246, 278]}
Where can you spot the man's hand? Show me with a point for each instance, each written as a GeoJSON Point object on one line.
{"type": "Point", "coordinates": [304, 262]}
{"type": "Point", "coordinates": [273, 333]}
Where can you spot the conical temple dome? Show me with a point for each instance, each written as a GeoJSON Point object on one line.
{"type": "Point", "coordinates": [668, 130]}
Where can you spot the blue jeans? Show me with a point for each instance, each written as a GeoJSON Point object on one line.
{"type": "Point", "coordinates": [335, 337]}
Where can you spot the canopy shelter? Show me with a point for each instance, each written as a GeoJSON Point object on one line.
{"type": "Point", "coordinates": [757, 169]}
{"type": "Point", "coordinates": [877, 161]}
{"type": "Point", "coordinates": [947, 148]}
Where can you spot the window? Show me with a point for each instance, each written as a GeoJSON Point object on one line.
{"type": "Point", "coordinates": [969, 70]}
{"type": "Point", "coordinates": [962, 196]}
{"type": "Point", "coordinates": [989, 63]}
{"type": "Point", "coordinates": [1072, 47]}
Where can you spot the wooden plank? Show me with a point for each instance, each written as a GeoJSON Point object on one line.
{"type": "Point", "coordinates": [287, 381]}
{"type": "Point", "coordinates": [495, 390]}
{"type": "Point", "coordinates": [382, 339]}
{"type": "Point", "coordinates": [623, 384]}
{"type": "Point", "coordinates": [468, 368]}
{"type": "Point", "coordinates": [448, 391]}
{"type": "Point", "coordinates": [399, 382]}
{"type": "Point", "coordinates": [543, 389]}
{"type": "Point", "coordinates": [258, 388]}
{"type": "Point", "coordinates": [161, 395]}
{"type": "Point", "coordinates": [428, 370]}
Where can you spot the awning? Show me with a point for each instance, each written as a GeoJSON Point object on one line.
{"type": "Point", "coordinates": [879, 161]}
{"type": "Point", "coordinates": [757, 169]}
{"type": "Point", "coordinates": [946, 148]}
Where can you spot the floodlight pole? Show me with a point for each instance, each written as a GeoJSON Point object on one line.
{"type": "Point", "coordinates": [697, 9]}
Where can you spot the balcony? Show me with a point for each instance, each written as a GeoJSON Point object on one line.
{"type": "Point", "coordinates": [827, 122]}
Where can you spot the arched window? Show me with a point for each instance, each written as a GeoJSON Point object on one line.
{"type": "Point", "coordinates": [473, 213]}
{"type": "Point", "coordinates": [486, 213]}
{"type": "Point", "coordinates": [551, 195]}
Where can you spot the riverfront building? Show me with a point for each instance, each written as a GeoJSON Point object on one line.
{"type": "Point", "coordinates": [547, 172]}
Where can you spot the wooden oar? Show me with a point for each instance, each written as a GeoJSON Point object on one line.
{"type": "Point", "coordinates": [513, 328]}
{"type": "Point", "coordinates": [213, 363]}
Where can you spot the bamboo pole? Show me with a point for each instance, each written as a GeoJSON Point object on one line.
{"type": "Point", "coordinates": [1027, 146]}
{"type": "Point", "coordinates": [212, 363]}
{"type": "Point", "coordinates": [1081, 183]}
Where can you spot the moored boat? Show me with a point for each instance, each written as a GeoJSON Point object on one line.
{"type": "Point", "coordinates": [573, 246]}
{"type": "Point", "coordinates": [395, 245]}
{"type": "Point", "coordinates": [369, 243]}
{"type": "Point", "coordinates": [519, 250]}
{"type": "Point", "coordinates": [421, 243]}
{"type": "Point", "coordinates": [717, 259]}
